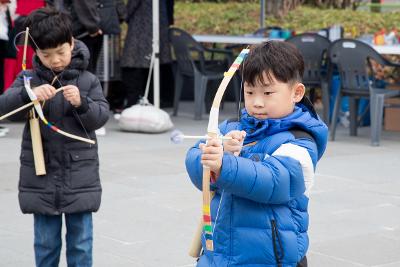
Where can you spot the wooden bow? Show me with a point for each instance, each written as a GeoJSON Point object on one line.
{"type": "Point", "coordinates": [213, 132]}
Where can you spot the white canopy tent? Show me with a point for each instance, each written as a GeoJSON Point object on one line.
{"type": "Point", "coordinates": [156, 52]}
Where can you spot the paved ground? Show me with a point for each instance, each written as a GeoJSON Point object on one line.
{"type": "Point", "coordinates": [150, 209]}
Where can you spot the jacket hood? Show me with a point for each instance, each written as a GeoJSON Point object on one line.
{"type": "Point", "coordinates": [301, 118]}
{"type": "Point", "coordinates": [79, 62]}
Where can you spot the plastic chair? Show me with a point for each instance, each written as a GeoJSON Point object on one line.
{"type": "Point", "coordinates": [313, 48]}
{"type": "Point", "coordinates": [353, 59]}
{"type": "Point", "coordinates": [191, 62]}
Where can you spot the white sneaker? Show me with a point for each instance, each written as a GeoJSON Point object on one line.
{"type": "Point", "coordinates": [101, 131]}
{"type": "Point", "coordinates": [3, 131]}
{"type": "Point", "coordinates": [117, 116]}
{"type": "Point", "coordinates": [344, 119]}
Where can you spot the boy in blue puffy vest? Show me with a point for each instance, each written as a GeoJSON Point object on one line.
{"type": "Point", "coordinates": [259, 211]}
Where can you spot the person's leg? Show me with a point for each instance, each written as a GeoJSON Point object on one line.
{"type": "Point", "coordinates": [2, 57]}
{"type": "Point", "coordinates": [116, 96]}
{"type": "Point", "coordinates": [94, 45]}
{"type": "Point", "coordinates": [167, 85]}
{"type": "Point", "coordinates": [95, 53]}
{"type": "Point", "coordinates": [79, 239]}
{"type": "Point", "coordinates": [47, 243]}
{"type": "Point", "coordinates": [3, 130]}
{"type": "Point", "coordinates": [134, 83]}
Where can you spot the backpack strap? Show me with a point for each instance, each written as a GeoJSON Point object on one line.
{"type": "Point", "coordinates": [300, 133]}
{"type": "Point", "coordinates": [232, 120]}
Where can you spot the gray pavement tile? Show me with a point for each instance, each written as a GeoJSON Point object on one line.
{"type": "Point", "coordinates": [382, 219]}
{"type": "Point", "coordinates": [370, 250]}
{"type": "Point", "coordinates": [391, 232]}
{"type": "Point", "coordinates": [393, 264]}
{"type": "Point", "coordinates": [320, 259]}
{"type": "Point", "coordinates": [344, 201]}
{"type": "Point", "coordinates": [369, 168]}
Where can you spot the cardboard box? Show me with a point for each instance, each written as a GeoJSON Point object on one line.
{"type": "Point", "coordinates": [392, 115]}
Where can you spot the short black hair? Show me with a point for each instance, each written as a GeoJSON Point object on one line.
{"type": "Point", "coordinates": [48, 28]}
{"type": "Point", "coordinates": [281, 59]}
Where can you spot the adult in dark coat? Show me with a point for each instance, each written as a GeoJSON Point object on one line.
{"type": "Point", "coordinates": [112, 13]}
{"type": "Point", "coordinates": [86, 24]}
{"type": "Point", "coordinates": [137, 51]}
{"type": "Point", "coordinates": [91, 19]}
{"type": "Point", "coordinates": [72, 182]}
{"type": "Point", "coordinates": [170, 11]}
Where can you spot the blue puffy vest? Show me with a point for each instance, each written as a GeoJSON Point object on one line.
{"type": "Point", "coordinates": [259, 211]}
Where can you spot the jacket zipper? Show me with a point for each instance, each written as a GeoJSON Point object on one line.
{"type": "Point", "coordinates": [276, 239]}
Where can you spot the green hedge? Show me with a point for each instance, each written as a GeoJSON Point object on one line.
{"type": "Point", "coordinates": [241, 18]}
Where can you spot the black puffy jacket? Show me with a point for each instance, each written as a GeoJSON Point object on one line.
{"type": "Point", "coordinates": [72, 183]}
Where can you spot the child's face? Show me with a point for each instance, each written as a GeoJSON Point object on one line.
{"type": "Point", "coordinates": [56, 59]}
{"type": "Point", "coordinates": [273, 100]}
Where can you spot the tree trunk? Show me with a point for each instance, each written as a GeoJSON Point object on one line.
{"type": "Point", "coordinates": [280, 8]}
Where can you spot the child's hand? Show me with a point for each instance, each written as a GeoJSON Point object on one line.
{"type": "Point", "coordinates": [212, 155]}
{"type": "Point", "coordinates": [236, 143]}
{"type": "Point", "coordinates": [72, 95]}
{"type": "Point", "coordinates": [44, 92]}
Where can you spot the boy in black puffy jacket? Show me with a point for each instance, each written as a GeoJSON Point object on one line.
{"type": "Point", "coordinates": [71, 185]}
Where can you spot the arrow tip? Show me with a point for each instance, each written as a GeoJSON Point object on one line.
{"type": "Point", "coordinates": [176, 137]}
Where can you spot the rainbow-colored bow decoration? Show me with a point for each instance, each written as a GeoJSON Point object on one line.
{"type": "Point", "coordinates": [213, 132]}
